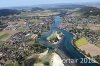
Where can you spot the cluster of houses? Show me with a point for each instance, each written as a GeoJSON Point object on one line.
{"type": "Point", "coordinates": [17, 45]}
{"type": "Point", "coordinates": [15, 26]}
{"type": "Point", "coordinates": [26, 24]}
{"type": "Point", "coordinates": [40, 27]}
{"type": "Point", "coordinates": [78, 22]}
{"type": "Point", "coordinates": [83, 27]}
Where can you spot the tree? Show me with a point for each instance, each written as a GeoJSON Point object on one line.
{"type": "Point", "coordinates": [46, 63]}
{"type": "Point", "coordinates": [97, 58]}
{"type": "Point", "coordinates": [83, 52]}
{"type": "Point", "coordinates": [89, 55]}
{"type": "Point", "coordinates": [20, 59]}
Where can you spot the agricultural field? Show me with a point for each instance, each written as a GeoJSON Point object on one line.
{"type": "Point", "coordinates": [4, 35]}
{"type": "Point", "coordinates": [98, 45]}
{"type": "Point", "coordinates": [81, 42]}
{"type": "Point", "coordinates": [91, 49]}
{"type": "Point", "coordinates": [9, 64]}
{"type": "Point", "coordinates": [35, 21]}
{"type": "Point", "coordinates": [42, 13]}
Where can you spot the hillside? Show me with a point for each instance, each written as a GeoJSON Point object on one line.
{"type": "Point", "coordinates": [37, 9]}
{"type": "Point", "coordinates": [60, 6]}
{"type": "Point", "coordinates": [90, 11]}
{"type": "Point", "coordinates": [6, 12]}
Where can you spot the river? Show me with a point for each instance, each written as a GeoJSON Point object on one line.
{"type": "Point", "coordinates": [68, 48]}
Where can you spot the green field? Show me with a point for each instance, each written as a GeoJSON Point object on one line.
{"type": "Point", "coordinates": [81, 42]}
{"type": "Point", "coordinates": [9, 64]}
{"type": "Point", "coordinates": [4, 37]}
{"type": "Point", "coordinates": [16, 64]}
{"type": "Point", "coordinates": [35, 21]}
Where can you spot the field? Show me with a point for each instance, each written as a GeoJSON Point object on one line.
{"type": "Point", "coordinates": [98, 45]}
{"type": "Point", "coordinates": [4, 35]}
{"type": "Point", "coordinates": [35, 21]}
{"type": "Point", "coordinates": [39, 64]}
{"type": "Point", "coordinates": [42, 13]}
{"type": "Point", "coordinates": [93, 27]}
{"type": "Point", "coordinates": [81, 42]}
{"type": "Point", "coordinates": [9, 64]}
{"type": "Point", "coordinates": [91, 48]}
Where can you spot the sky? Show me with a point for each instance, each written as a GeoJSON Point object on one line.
{"type": "Point", "coordinates": [14, 3]}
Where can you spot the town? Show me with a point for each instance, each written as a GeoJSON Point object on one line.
{"type": "Point", "coordinates": [44, 36]}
